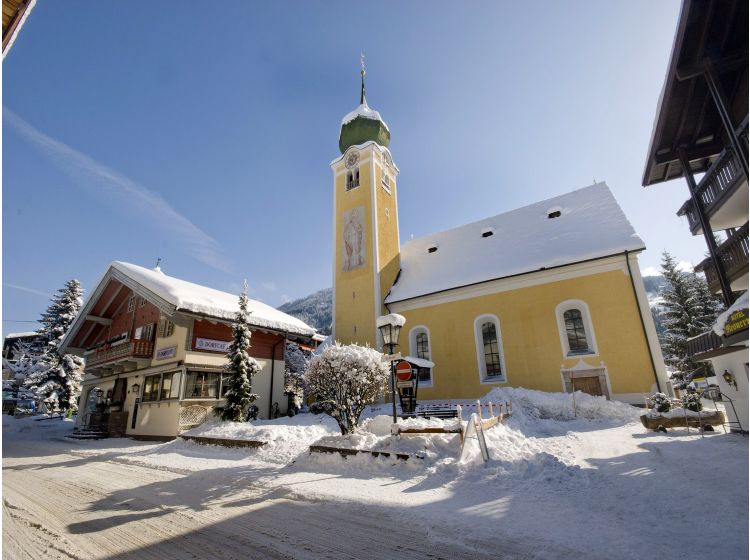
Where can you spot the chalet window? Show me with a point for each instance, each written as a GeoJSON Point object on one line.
{"type": "Point", "coordinates": [419, 341]}
{"type": "Point", "coordinates": [489, 349]}
{"type": "Point", "coordinates": [151, 388]}
{"type": "Point", "coordinates": [202, 385]}
{"type": "Point", "coordinates": [131, 304]}
{"type": "Point", "coordinates": [142, 302]}
{"type": "Point", "coordinates": [170, 386]}
{"type": "Point", "coordinates": [575, 327]}
{"type": "Point", "coordinates": [145, 332]}
{"type": "Point", "coordinates": [166, 328]}
{"type": "Point", "coordinates": [161, 386]}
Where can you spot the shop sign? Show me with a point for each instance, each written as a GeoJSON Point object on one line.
{"type": "Point", "coordinates": [212, 345]}
{"type": "Point", "coordinates": [164, 353]}
{"type": "Point", "coordinates": [737, 322]}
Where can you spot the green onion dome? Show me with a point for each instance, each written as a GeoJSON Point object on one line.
{"type": "Point", "coordinates": [362, 125]}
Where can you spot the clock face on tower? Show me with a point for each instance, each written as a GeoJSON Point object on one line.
{"type": "Point", "coordinates": [352, 160]}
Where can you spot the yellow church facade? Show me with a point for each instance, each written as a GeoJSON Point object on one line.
{"type": "Point", "coordinates": [544, 297]}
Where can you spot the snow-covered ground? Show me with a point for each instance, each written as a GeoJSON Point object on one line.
{"type": "Point", "coordinates": [588, 482]}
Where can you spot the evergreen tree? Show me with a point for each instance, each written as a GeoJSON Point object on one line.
{"type": "Point", "coordinates": [241, 367]}
{"type": "Point", "coordinates": [689, 309]}
{"type": "Point", "coordinates": [53, 378]}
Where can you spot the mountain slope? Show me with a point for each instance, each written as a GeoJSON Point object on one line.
{"type": "Point", "coordinates": [315, 310]}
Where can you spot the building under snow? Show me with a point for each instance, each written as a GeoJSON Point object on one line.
{"type": "Point", "coordinates": [548, 296]}
{"type": "Point", "coordinates": [155, 347]}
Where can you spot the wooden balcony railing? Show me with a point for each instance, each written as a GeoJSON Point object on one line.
{"type": "Point", "coordinates": [707, 342]}
{"type": "Point", "coordinates": [132, 349]}
{"type": "Point", "coordinates": [734, 256]}
{"type": "Point", "coordinates": [719, 180]}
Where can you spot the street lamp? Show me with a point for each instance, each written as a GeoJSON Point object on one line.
{"type": "Point", "coordinates": [390, 327]}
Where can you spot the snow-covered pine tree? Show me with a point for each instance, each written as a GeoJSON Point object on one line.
{"type": "Point", "coordinates": [57, 379]}
{"type": "Point", "coordinates": [688, 310]}
{"type": "Point", "coordinates": [241, 367]}
{"type": "Point", "coordinates": [296, 360]}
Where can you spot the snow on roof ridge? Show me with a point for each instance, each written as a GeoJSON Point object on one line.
{"type": "Point", "coordinates": [21, 334]}
{"type": "Point", "coordinates": [591, 225]}
{"type": "Point", "coordinates": [195, 298]}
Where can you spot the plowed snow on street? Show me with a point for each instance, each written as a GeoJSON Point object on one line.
{"type": "Point", "coordinates": [553, 489]}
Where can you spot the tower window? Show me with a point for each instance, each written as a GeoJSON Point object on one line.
{"type": "Point", "coordinates": [352, 179]}
{"type": "Point", "coordinates": [386, 182]}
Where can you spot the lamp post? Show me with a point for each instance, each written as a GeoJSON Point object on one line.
{"type": "Point", "coordinates": [390, 327]}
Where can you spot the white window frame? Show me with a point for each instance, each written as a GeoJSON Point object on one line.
{"type": "Point", "coordinates": [479, 341]}
{"type": "Point", "coordinates": [413, 350]}
{"type": "Point", "coordinates": [581, 306]}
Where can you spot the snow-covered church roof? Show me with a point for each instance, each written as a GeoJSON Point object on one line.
{"type": "Point", "coordinates": [584, 224]}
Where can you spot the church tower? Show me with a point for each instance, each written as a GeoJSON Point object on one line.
{"type": "Point", "coordinates": [365, 234]}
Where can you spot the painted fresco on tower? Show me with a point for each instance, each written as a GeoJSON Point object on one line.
{"type": "Point", "coordinates": [353, 253]}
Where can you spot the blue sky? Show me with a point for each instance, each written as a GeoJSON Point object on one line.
{"type": "Point", "coordinates": [142, 130]}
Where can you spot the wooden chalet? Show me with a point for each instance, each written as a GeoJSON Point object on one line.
{"type": "Point", "coordinates": [155, 347]}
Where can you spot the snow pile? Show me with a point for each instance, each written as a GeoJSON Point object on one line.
{"type": "Point", "coordinates": [286, 438]}
{"type": "Point", "coordinates": [591, 225]}
{"type": "Point", "coordinates": [529, 405]}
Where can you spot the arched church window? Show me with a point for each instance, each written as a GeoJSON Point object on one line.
{"type": "Point", "coordinates": [576, 328]}
{"type": "Point", "coordinates": [489, 349]}
{"type": "Point", "coordinates": [419, 342]}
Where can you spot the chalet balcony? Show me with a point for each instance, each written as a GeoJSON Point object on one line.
{"type": "Point", "coordinates": [733, 253]}
{"type": "Point", "coordinates": [123, 357]}
{"type": "Point", "coordinates": [724, 193]}
{"type": "Point", "coordinates": [705, 345]}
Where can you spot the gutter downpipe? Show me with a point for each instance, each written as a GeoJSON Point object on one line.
{"type": "Point", "coordinates": [273, 366]}
{"type": "Point", "coordinates": [643, 323]}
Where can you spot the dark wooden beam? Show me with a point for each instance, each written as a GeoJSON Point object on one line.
{"type": "Point", "coordinates": [708, 234]}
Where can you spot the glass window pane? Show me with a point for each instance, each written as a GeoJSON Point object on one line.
{"type": "Point", "coordinates": [577, 341]}
{"type": "Point", "coordinates": [491, 350]}
{"type": "Point", "coordinates": [166, 384]}
{"type": "Point", "coordinates": [201, 385]}
{"type": "Point", "coordinates": [225, 377]}
{"type": "Point", "coordinates": [151, 388]}
{"type": "Point", "coordinates": [423, 351]}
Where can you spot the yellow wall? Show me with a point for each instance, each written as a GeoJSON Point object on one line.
{"type": "Point", "coordinates": [530, 337]}
{"type": "Point", "coordinates": [355, 290]}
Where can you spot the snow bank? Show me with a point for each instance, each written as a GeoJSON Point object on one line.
{"type": "Point", "coordinates": [286, 438]}
{"type": "Point", "coordinates": [529, 405]}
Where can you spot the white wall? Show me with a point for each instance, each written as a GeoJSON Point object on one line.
{"type": "Point", "coordinates": [736, 364]}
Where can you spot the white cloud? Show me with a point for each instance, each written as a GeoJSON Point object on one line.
{"type": "Point", "coordinates": [121, 192]}
{"type": "Point", "coordinates": [29, 290]}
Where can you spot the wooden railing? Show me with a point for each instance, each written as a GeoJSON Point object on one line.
{"type": "Point", "coordinates": [733, 254]}
{"type": "Point", "coordinates": [132, 349]}
{"type": "Point", "coordinates": [706, 342]}
{"type": "Point", "coordinates": [720, 178]}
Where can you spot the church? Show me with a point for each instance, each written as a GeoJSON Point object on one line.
{"type": "Point", "coordinates": [547, 297]}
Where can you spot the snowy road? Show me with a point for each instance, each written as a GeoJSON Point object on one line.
{"type": "Point", "coordinates": [66, 506]}
{"type": "Point", "coordinates": [559, 489]}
